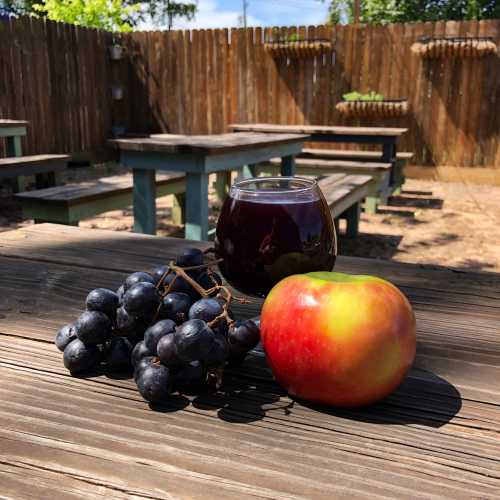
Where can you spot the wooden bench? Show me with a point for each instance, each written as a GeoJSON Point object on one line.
{"type": "Point", "coordinates": [73, 202]}
{"type": "Point", "coordinates": [373, 156]}
{"type": "Point", "coordinates": [344, 194]}
{"type": "Point", "coordinates": [44, 167]}
{"type": "Point", "coordinates": [379, 188]}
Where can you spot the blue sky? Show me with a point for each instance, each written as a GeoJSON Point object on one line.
{"type": "Point", "coordinates": [226, 13]}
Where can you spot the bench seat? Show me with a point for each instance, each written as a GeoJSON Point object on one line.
{"type": "Point", "coordinates": [346, 154]}
{"type": "Point", "coordinates": [44, 167]}
{"type": "Point", "coordinates": [70, 203]}
{"type": "Point", "coordinates": [344, 194]}
{"type": "Point", "coordinates": [379, 188]}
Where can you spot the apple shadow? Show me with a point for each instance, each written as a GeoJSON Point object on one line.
{"type": "Point", "coordinates": [251, 393]}
{"type": "Point", "coordinates": [423, 398]}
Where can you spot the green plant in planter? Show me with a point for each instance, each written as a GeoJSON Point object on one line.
{"type": "Point", "coordinates": [358, 96]}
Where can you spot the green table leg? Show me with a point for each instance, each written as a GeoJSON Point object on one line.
{"type": "Point", "coordinates": [14, 148]}
{"type": "Point", "coordinates": [144, 201]}
{"type": "Point", "coordinates": [222, 185]}
{"type": "Point", "coordinates": [352, 215]}
{"type": "Point", "coordinates": [288, 166]}
{"type": "Point", "coordinates": [197, 206]}
{"type": "Point", "coordinates": [246, 172]}
{"type": "Point", "coordinates": [179, 209]}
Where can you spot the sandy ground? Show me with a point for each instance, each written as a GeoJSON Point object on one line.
{"type": "Point", "coordinates": [449, 224]}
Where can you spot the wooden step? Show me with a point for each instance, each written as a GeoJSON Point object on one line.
{"type": "Point", "coordinates": [30, 165]}
{"type": "Point", "coordinates": [346, 154]}
{"type": "Point", "coordinates": [341, 164]}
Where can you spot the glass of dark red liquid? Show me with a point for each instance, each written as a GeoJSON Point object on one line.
{"type": "Point", "coordinates": [271, 228]}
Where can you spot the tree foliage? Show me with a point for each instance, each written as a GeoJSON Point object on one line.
{"type": "Point", "coordinates": [392, 11]}
{"type": "Point", "coordinates": [111, 15]}
{"type": "Point", "coordinates": [114, 15]}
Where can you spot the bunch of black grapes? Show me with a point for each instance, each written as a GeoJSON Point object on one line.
{"type": "Point", "coordinates": [172, 326]}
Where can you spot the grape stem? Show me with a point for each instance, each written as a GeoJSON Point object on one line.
{"type": "Point", "coordinates": [223, 291]}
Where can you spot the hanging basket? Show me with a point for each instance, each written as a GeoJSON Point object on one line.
{"type": "Point", "coordinates": [300, 49]}
{"type": "Point", "coordinates": [387, 108]}
{"type": "Point", "coordinates": [447, 47]}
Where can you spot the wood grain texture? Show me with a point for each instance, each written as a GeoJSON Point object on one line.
{"type": "Point", "coordinates": [64, 437]}
{"type": "Point", "coordinates": [5, 123]}
{"type": "Point", "coordinates": [205, 144]}
{"type": "Point", "coordinates": [73, 194]}
{"type": "Point", "coordinates": [346, 164]}
{"type": "Point", "coordinates": [318, 129]}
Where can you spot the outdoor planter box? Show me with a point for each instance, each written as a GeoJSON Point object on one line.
{"type": "Point", "coordinates": [384, 109]}
{"type": "Point", "coordinates": [300, 49]}
{"type": "Point", "coordinates": [434, 48]}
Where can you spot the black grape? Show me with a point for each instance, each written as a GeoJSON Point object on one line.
{"type": "Point", "coordinates": [190, 377]}
{"type": "Point", "coordinates": [156, 332]}
{"type": "Point", "coordinates": [243, 336]}
{"type": "Point", "coordinates": [120, 293]}
{"type": "Point", "coordinates": [64, 336]}
{"type": "Point", "coordinates": [208, 279]}
{"type": "Point", "coordinates": [79, 357]}
{"type": "Point", "coordinates": [193, 339]}
{"type": "Point", "coordinates": [190, 257]}
{"type": "Point", "coordinates": [205, 309]}
{"type": "Point", "coordinates": [158, 273]}
{"type": "Point", "coordinates": [155, 383]}
{"type": "Point", "coordinates": [138, 352]}
{"type": "Point", "coordinates": [167, 352]}
{"type": "Point", "coordinates": [141, 299]}
{"type": "Point", "coordinates": [143, 363]}
{"type": "Point", "coordinates": [93, 327]}
{"type": "Point", "coordinates": [180, 285]}
{"type": "Point", "coordinates": [175, 306]}
{"type": "Point", "coordinates": [117, 353]}
{"type": "Point", "coordinates": [102, 300]}
{"type": "Point", "coordinates": [217, 355]}
{"type": "Point", "coordinates": [138, 277]}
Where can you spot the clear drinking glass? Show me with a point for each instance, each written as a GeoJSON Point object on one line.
{"type": "Point", "coordinates": [273, 227]}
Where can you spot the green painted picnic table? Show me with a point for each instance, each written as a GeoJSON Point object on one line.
{"type": "Point", "coordinates": [387, 137]}
{"type": "Point", "coordinates": [197, 156]}
{"type": "Point", "coordinates": [13, 130]}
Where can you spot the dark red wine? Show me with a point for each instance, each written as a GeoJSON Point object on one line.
{"type": "Point", "coordinates": [263, 241]}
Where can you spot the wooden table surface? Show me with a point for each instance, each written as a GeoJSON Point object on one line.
{"type": "Point", "coordinates": [437, 436]}
{"type": "Point", "coordinates": [204, 144]}
{"type": "Point", "coordinates": [198, 156]}
{"type": "Point", "coordinates": [5, 123]}
{"type": "Point", "coordinates": [317, 129]}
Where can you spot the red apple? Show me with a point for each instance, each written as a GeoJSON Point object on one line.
{"type": "Point", "coordinates": [338, 339]}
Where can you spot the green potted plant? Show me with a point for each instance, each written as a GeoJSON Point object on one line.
{"type": "Point", "coordinates": [371, 104]}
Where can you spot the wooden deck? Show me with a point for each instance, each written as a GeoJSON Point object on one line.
{"type": "Point", "coordinates": [63, 437]}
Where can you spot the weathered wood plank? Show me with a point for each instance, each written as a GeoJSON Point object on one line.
{"type": "Point", "coordinates": [205, 144]}
{"type": "Point", "coordinates": [436, 436]}
{"type": "Point", "coordinates": [317, 129]}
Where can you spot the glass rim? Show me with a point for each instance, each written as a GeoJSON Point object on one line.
{"type": "Point", "coordinates": [310, 184]}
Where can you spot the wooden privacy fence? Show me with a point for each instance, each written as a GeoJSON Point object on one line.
{"type": "Point", "coordinates": [200, 81]}
{"type": "Point", "coordinates": [59, 77]}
